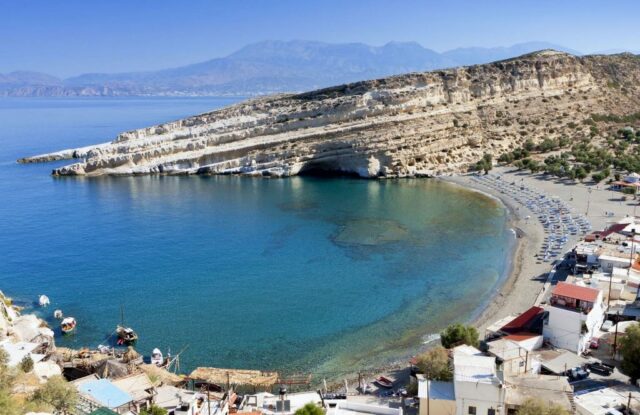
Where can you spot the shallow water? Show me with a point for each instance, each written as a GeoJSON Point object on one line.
{"type": "Point", "coordinates": [300, 274]}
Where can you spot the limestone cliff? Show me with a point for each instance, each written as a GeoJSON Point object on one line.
{"type": "Point", "coordinates": [414, 124]}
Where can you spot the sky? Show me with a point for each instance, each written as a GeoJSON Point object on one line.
{"type": "Point", "coordinates": [70, 37]}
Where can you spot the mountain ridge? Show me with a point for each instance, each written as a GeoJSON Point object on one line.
{"type": "Point", "coordinates": [265, 67]}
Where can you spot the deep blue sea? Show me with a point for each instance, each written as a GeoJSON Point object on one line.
{"type": "Point", "coordinates": [306, 274]}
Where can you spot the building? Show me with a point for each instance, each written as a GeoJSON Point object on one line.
{"type": "Point", "coordinates": [436, 397]}
{"type": "Point", "coordinates": [575, 314]}
{"type": "Point", "coordinates": [548, 389]}
{"type": "Point", "coordinates": [513, 353]}
{"type": "Point", "coordinates": [101, 393]}
{"type": "Point", "coordinates": [478, 389]}
{"type": "Point", "coordinates": [348, 407]}
{"type": "Point", "coordinates": [610, 400]}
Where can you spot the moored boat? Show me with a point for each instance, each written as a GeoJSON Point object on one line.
{"type": "Point", "coordinates": [126, 335]}
{"type": "Point", "coordinates": [43, 301]}
{"type": "Point", "coordinates": [67, 325]}
{"type": "Point", "coordinates": [156, 357]}
{"type": "Point", "coordinates": [58, 314]}
{"type": "Point", "coordinates": [384, 382]}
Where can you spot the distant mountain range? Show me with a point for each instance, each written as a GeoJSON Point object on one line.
{"type": "Point", "coordinates": [266, 67]}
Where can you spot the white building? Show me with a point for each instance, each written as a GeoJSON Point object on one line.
{"type": "Point", "coordinates": [575, 315]}
{"type": "Point", "coordinates": [606, 401]}
{"type": "Point", "coordinates": [436, 397]}
{"type": "Point", "coordinates": [478, 389]}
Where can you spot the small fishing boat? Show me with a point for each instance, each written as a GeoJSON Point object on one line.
{"type": "Point", "coordinates": [126, 335]}
{"type": "Point", "coordinates": [58, 314]}
{"type": "Point", "coordinates": [67, 325]}
{"type": "Point", "coordinates": [384, 382]}
{"type": "Point", "coordinates": [43, 301]}
{"type": "Point", "coordinates": [156, 357]}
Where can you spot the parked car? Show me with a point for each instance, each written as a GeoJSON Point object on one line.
{"type": "Point", "coordinates": [578, 373]}
{"type": "Point", "coordinates": [606, 325]}
{"type": "Point", "coordinates": [600, 368]}
{"type": "Point", "coordinates": [594, 343]}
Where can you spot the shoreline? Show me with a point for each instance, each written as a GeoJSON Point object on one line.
{"type": "Point", "coordinates": [521, 286]}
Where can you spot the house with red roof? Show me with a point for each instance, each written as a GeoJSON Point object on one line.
{"type": "Point", "coordinates": [575, 314]}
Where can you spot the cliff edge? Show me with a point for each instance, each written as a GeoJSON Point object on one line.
{"type": "Point", "coordinates": [415, 124]}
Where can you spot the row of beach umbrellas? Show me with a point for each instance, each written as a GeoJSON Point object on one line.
{"type": "Point", "coordinates": [558, 218]}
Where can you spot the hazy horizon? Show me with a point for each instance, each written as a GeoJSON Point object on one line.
{"type": "Point", "coordinates": [71, 38]}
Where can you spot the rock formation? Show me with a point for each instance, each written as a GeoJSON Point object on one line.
{"type": "Point", "coordinates": [414, 124]}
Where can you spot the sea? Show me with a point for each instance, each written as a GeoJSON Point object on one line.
{"type": "Point", "coordinates": [315, 275]}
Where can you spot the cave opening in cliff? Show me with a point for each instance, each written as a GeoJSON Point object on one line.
{"type": "Point", "coordinates": [325, 169]}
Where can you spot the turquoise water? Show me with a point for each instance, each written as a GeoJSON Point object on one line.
{"type": "Point", "coordinates": [300, 274]}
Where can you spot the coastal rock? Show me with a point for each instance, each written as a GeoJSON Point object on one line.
{"type": "Point", "coordinates": [410, 125]}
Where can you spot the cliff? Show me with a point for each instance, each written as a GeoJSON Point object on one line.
{"type": "Point", "coordinates": [414, 124]}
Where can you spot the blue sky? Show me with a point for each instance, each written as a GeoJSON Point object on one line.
{"type": "Point", "coordinates": [70, 37]}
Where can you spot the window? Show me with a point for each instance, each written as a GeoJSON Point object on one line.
{"type": "Point", "coordinates": [472, 410]}
{"type": "Point", "coordinates": [491, 411]}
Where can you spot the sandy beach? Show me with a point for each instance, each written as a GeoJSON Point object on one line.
{"type": "Point", "coordinates": [527, 276]}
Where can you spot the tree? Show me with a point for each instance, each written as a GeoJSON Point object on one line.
{"type": "Point", "coordinates": [154, 410]}
{"type": "Point", "coordinates": [26, 364]}
{"type": "Point", "coordinates": [485, 164]}
{"type": "Point", "coordinates": [537, 407]}
{"type": "Point", "coordinates": [435, 364]}
{"type": "Point", "coordinates": [310, 409]}
{"type": "Point", "coordinates": [630, 349]}
{"type": "Point", "coordinates": [57, 394]}
{"type": "Point", "coordinates": [581, 173]}
{"type": "Point", "coordinates": [457, 334]}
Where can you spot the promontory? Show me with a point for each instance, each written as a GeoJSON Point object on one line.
{"type": "Point", "coordinates": [407, 125]}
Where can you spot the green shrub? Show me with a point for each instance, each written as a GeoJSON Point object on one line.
{"type": "Point", "coordinates": [457, 334]}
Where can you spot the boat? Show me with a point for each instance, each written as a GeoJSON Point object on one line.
{"type": "Point", "coordinates": [43, 301]}
{"type": "Point", "coordinates": [58, 314]}
{"type": "Point", "coordinates": [67, 325]}
{"type": "Point", "coordinates": [126, 335]}
{"type": "Point", "coordinates": [156, 357]}
{"type": "Point", "coordinates": [384, 382]}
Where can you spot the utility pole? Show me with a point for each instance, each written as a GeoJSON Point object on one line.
{"type": "Point", "coordinates": [615, 337]}
{"type": "Point", "coordinates": [426, 374]}
{"type": "Point", "coordinates": [629, 404]}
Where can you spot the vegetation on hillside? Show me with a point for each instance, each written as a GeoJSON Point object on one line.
{"type": "Point", "coordinates": [591, 155]}
{"type": "Point", "coordinates": [55, 395]}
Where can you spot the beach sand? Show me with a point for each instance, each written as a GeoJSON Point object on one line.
{"type": "Point", "coordinates": [527, 275]}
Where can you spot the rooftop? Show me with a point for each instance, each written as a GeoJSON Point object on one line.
{"type": "Point", "coordinates": [576, 292]}
{"type": "Point", "coordinates": [477, 369]}
{"type": "Point", "coordinates": [547, 388]}
{"type": "Point", "coordinates": [104, 393]}
{"type": "Point", "coordinates": [601, 401]}
{"type": "Point", "coordinates": [436, 390]}
{"type": "Point", "coordinates": [558, 361]}
{"type": "Point", "coordinates": [219, 376]}
{"type": "Point", "coordinates": [523, 321]}
{"type": "Point", "coordinates": [19, 350]}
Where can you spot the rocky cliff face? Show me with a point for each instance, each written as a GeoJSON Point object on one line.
{"type": "Point", "coordinates": [415, 124]}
